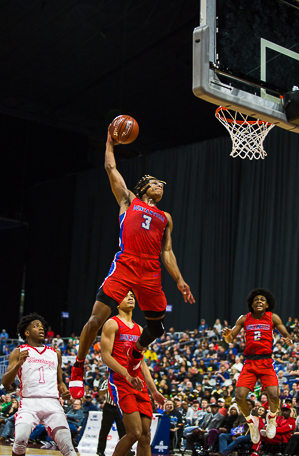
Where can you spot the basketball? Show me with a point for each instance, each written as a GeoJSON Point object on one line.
{"type": "Point", "coordinates": [124, 129]}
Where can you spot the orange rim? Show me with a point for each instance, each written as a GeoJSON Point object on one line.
{"type": "Point", "coordinates": [239, 122]}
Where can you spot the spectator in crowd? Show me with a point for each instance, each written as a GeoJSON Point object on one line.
{"type": "Point", "coordinates": [3, 339]}
{"type": "Point", "coordinates": [231, 420]}
{"type": "Point", "coordinates": [218, 326]}
{"type": "Point", "coordinates": [228, 442]}
{"type": "Point", "coordinates": [294, 391]}
{"type": "Point", "coordinates": [203, 326]}
{"type": "Point", "coordinates": [212, 420]}
{"type": "Point", "coordinates": [281, 379]}
{"type": "Point", "coordinates": [176, 420]}
{"type": "Point", "coordinates": [284, 429]}
{"type": "Point", "coordinates": [237, 365]}
{"type": "Point", "coordinates": [75, 417]}
{"type": "Point", "coordinates": [50, 334]}
{"type": "Point", "coordinates": [9, 421]}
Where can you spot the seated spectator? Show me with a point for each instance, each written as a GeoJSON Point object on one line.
{"type": "Point", "coordinates": [9, 421]}
{"type": "Point", "coordinates": [285, 395]}
{"type": "Point", "coordinates": [50, 334]}
{"type": "Point", "coordinates": [212, 366]}
{"type": "Point", "coordinates": [290, 364]}
{"type": "Point", "coordinates": [294, 391]}
{"type": "Point", "coordinates": [285, 427]}
{"type": "Point", "coordinates": [211, 352]}
{"type": "Point", "coordinates": [292, 445]}
{"type": "Point", "coordinates": [217, 392]}
{"type": "Point", "coordinates": [237, 365]}
{"type": "Point", "coordinates": [231, 420]}
{"type": "Point", "coordinates": [5, 406]}
{"type": "Point", "coordinates": [75, 417]}
{"type": "Point", "coordinates": [187, 413]}
{"type": "Point", "coordinates": [281, 379]}
{"type": "Point", "coordinates": [212, 420]}
{"type": "Point", "coordinates": [232, 348]}
{"type": "Point", "coordinates": [175, 418]}
{"type": "Point", "coordinates": [239, 435]}
{"type": "Point", "coordinates": [222, 374]}
{"type": "Point", "coordinates": [221, 353]}
{"type": "Point", "coordinates": [203, 325]}
{"type": "Point", "coordinates": [295, 371]}
{"type": "Point", "coordinates": [222, 408]}
{"type": "Point", "coordinates": [218, 326]}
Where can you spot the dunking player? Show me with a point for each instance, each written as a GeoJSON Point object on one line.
{"type": "Point", "coordinates": [145, 234]}
{"type": "Point", "coordinates": [39, 370]}
{"type": "Point", "coordinates": [134, 404]}
{"type": "Point", "coordinates": [259, 324]}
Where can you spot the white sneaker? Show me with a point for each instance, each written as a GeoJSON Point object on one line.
{"type": "Point", "coordinates": [271, 427]}
{"type": "Point", "coordinates": [46, 446]}
{"type": "Point", "coordinates": [254, 429]}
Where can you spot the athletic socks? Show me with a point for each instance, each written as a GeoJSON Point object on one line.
{"type": "Point", "coordinates": [78, 362]}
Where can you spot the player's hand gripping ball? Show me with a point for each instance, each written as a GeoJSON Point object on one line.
{"type": "Point", "coordinates": [124, 129]}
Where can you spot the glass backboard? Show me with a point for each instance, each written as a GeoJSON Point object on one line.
{"type": "Point", "coordinates": [246, 56]}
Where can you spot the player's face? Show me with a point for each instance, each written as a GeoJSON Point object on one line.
{"type": "Point", "coordinates": [259, 303]}
{"type": "Point", "coordinates": [156, 190]}
{"type": "Point", "coordinates": [36, 330]}
{"type": "Point", "coordinates": [128, 303]}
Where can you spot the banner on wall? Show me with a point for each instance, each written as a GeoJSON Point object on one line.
{"type": "Point", "coordinates": [89, 440]}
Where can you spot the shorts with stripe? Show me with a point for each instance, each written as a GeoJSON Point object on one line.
{"type": "Point", "coordinates": [137, 273]}
{"type": "Point", "coordinates": [126, 398]}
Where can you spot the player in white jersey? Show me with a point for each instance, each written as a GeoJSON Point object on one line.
{"type": "Point", "coordinates": [39, 370]}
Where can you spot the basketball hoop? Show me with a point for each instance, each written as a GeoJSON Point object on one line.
{"type": "Point", "coordinates": [247, 135]}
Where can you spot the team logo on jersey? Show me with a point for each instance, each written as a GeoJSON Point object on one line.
{"type": "Point", "coordinates": [258, 326]}
{"type": "Point", "coordinates": [148, 211]}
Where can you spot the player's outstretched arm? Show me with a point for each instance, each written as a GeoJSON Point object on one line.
{"type": "Point", "coordinates": [16, 360]}
{"type": "Point", "coordinates": [107, 341]}
{"type": "Point", "coordinates": [65, 394]}
{"type": "Point", "coordinates": [277, 323]}
{"type": "Point", "coordinates": [169, 260]}
{"type": "Point", "coordinates": [158, 397]}
{"type": "Point", "coordinates": [119, 188]}
{"type": "Point", "coordinates": [230, 334]}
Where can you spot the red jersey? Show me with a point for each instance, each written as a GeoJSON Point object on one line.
{"type": "Point", "coordinates": [124, 334]}
{"type": "Point", "coordinates": [259, 334]}
{"type": "Point", "coordinates": [141, 229]}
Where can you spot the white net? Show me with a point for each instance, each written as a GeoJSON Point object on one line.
{"type": "Point", "coordinates": [247, 135]}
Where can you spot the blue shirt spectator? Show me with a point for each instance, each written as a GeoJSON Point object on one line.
{"type": "Point", "coordinates": [203, 325]}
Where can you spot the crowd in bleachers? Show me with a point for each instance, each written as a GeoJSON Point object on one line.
{"type": "Point", "coordinates": [196, 371]}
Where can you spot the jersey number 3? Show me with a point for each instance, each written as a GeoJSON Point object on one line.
{"type": "Point", "coordinates": [147, 222]}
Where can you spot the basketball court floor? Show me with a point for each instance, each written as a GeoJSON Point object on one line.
{"type": "Point", "coordinates": [5, 450]}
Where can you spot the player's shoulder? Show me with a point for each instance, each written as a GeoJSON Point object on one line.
{"type": "Point", "coordinates": [110, 325]}
{"type": "Point", "coordinates": [241, 319]}
{"type": "Point", "coordinates": [275, 318]}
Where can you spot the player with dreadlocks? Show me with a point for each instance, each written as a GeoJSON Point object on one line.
{"type": "Point", "coordinates": [259, 324]}
{"type": "Point", "coordinates": [145, 234]}
{"type": "Point", "coordinates": [39, 370]}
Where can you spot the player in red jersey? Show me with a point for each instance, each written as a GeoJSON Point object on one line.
{"type": "Point", "coordinates": [259, 324]}
{"type": "Point", "coordinates": [145, 234]}
{"type": "Point", "coordinates": [134, 405]}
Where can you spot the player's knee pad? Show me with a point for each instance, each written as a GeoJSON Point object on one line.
{"type": "Point", "coordinates": [62, 437]}
{"type": "Point", "coordinates": [22, 433]}
{"type": "Point", "coordinates": [152, 331]}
